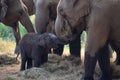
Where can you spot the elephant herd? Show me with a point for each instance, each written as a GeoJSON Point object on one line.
{"type": "Point", "coordinates": [66, 20]}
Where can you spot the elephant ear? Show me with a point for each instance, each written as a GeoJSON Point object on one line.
{"type": "Point", "coordinates": [83, 6]}
{"type": "Point", "coordinates": [42, 41]}
{"type": "Point", "coordinates": [3, 9]}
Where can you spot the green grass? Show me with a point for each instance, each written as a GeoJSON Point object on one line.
{"type": "Point", "coordinates": [9, 78]}
{"type": "Point", "coordinates": [6, 32]}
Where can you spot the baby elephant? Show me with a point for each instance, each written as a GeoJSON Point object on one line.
{"type": "Point", "coordinates": [35, 48]}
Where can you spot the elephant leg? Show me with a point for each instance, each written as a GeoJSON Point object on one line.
{"type": "Point", "coordinates": [59, 50]}
{"type": "Point", "coordinates": [42, 60]}
{"type": "Point", "coordinates": [29, 63]}
{"type": "Point", "coordinates": [37, 62]}
{"type": "Point", "coordinates": [75, 47]}
{"type": "Point", "coordinates": [45, 58]}
{"type": "Point", "coordinates": [116, 47]}
{"type": "Point", "coordinates": [25, 21]}
{"type": "Point", "coordinates": [97, 37]}
{"type": "Point", "coordinates": [104, 63]}
{"type": "Point", "coordinates": [89, 63]}
{"type": "Point", "coordinates": [17, 36]}
{"type": "Point", "coordinates": [37, 58]}
{"type": "Point", "coordinates": [23, 63]}
{"type": "Point", "coordinates": [90, 60]}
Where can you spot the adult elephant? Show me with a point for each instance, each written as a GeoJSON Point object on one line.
{"type": "Point", "coordinates": [103, 27]}
{"type": "Point", "coordinates": [44, 15]}
{"type": "Point", "coordinates": [30, 6]}
{"type": "Point", "coordinates": [13, 11]}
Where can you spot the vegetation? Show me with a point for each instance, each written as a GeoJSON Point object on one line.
{"type": "Point", "coordinates": [7, 33]}
{"type": "Point", "coordinates": [6, 46]}
{"type": "Point", "coordinates": [9, 78]}
{"type": "Point", "coordinates": [7, 40]}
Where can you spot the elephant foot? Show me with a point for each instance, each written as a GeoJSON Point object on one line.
{"type": "Point", "coordinates": [17, 49]}
{"type": "Point", "coordinates": [106, 78]}
{"type": "Point", "coordinates": [87, 78]}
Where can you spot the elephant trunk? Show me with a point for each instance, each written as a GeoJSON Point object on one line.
{"type": "Point", "coordinates": [62, 30]}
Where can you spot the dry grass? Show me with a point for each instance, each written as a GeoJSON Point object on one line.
{"type": "Point", "coordinates": [57, 68]}
{"type": "Point", "coordinates": [7, 46]}
{"type": "Point", "coordinates": [7, 57]}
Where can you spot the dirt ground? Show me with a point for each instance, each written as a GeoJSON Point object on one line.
{"type": "Point", "coordinates": [57, 68]}
{"type": "Point", "coordinates": [9, 67]}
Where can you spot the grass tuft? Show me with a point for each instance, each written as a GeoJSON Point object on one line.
{"type": "Point", "coordinates": [7, 46]}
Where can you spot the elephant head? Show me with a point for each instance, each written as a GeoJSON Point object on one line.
{"type": "Point", "coordinates": [70, 16]}
{"type": "Point", "coordinates": [49, 40]}
{"type": "Point", "coordinates": [3, 9]}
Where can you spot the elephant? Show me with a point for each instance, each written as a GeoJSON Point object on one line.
{"type": "Point", "coordinates": [45, 14]}
{"type": "Point", "coordinates": [102, 23]}
{"type": "Point", "coordinates": [12, 11]}
{"type": "Point", "coordinates": [30, 6]}
{"type": "Point", "coordinates": [35, 47]}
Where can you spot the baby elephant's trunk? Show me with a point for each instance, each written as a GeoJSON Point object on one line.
{"type": "Point", "coordinates": [58, 41]}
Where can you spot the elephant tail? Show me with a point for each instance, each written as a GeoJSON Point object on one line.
{"type": "Point", "coordinates": [17, 56]}
{"type": "Point", "coordinates": [17, 51]}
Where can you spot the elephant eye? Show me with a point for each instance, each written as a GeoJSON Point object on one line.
{"type": "Point", "coordinates": [62, 13]}
{"type": "Point", "coordinates": [60, 9]}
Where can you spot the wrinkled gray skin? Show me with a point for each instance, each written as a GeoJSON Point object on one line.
{"type": "Point", "coordinates": [12, 11]}
{"type": "Point", "coordinates": [30, 6]}
{"type": "Point", "coordinates": [45, 15]}
{"type": "Point", "coordinates": [35, 47]}
{"type": "Point", "coordinates": [102, 20]}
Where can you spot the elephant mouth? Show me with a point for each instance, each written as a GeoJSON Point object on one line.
{"type": "Point", "coordinates": [68, 33]}
{"type": "Point", "coordinates": [66, 29]}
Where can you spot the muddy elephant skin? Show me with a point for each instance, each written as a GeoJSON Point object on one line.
{"type": "Point", "coordinates": [103, 27]}
{"type": "Point", "coordinates": [35, 48]}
